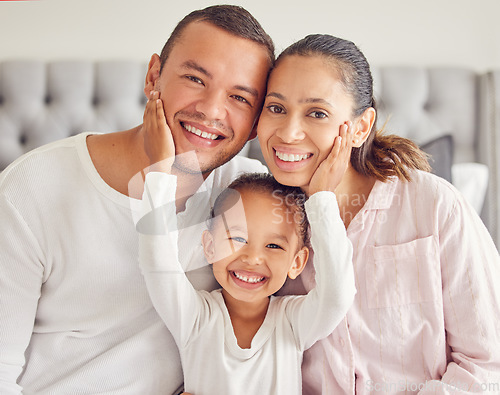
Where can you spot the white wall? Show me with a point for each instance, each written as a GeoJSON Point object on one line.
{"type": "Point", "coordinates": [403, 32]}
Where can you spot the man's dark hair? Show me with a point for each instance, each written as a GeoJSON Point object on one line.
{"type": "Point", "coordinates": [233, 19]}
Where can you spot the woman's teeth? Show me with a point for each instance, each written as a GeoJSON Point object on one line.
{"type": "Point", "coordinates": [251, 280]}
{"type": "Point", "coordinates": [198, 132]}
{"type": "Point", "coordinates": [291, 157]}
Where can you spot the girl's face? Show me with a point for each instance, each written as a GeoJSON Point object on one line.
{"type": "Point", "coordinates": [254, 247]}
{"type": "Point", "coordinates": [305, 106]}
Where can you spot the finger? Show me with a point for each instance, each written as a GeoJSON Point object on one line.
{"type": "Point", "coordinates": [350, 133]}
{"type": "Point", "coordinates": [160, 115]}
{"type": "Point", "coordinates": [339, 143]}
{"type": "Point", "coordinates": [149, 110]}
{"type": "Point", "coordinates": [347, 140]}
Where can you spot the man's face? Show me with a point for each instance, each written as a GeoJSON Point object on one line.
{"type": "Point", "coordinates": [212, 86]}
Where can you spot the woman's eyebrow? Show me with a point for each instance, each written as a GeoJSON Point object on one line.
{"type": "Point", "coordinates": [316, 100]}
{"type": "Point", "coordinates": [308, 100]}
{"type": "Point", "coordinates": [276, 95]}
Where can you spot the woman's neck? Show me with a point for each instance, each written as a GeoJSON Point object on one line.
{"type": "Point", "coordinates": [352, 194]}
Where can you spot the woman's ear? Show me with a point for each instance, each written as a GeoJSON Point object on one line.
{"type": "Point", "coordinates": [363, 126]}
{"type": "Point", "coordinates": [207, 241]}
{"type": "Point", "coordinates": [152, 75]}
{"type": "Point", "coordinates": [299, 263]}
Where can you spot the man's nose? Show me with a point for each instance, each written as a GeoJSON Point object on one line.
{"type": "Point", "coordinates": [212, 104]}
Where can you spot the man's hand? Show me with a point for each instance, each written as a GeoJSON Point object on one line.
{"type": "Point", "coordinates": [158, 142]}
{"type": "Point", "coordinates": [330, 172]}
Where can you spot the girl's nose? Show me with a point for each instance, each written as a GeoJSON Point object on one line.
{"type": "Point", "coordinates": [253, 256]}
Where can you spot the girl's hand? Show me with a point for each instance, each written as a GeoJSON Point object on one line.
{"type": "Point", "coordinates": [330, 172]}
{"type": "Point", "coordinates": [158, 142]}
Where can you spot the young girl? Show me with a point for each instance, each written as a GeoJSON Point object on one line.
{"type": "Point", "coordinates": [241, 339]}
{"type": "Point", "coordinates": [427, 313]}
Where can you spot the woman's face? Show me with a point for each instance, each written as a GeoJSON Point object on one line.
{"type": "Point", "coordinates": [305, 106]}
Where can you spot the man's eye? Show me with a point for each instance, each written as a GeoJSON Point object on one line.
{"type": "Point", "coordinates": [272, 245]}
{"type": "Point", "coordinates": [276, 109]}
{"type": "Point", "coordinates": [240, 98]}
{"type": "Point", "coordinates": [318, 114]}
{"type": "Point", "coordinates": [194, 79]}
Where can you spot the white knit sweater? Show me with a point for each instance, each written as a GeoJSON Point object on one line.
{"type": "Point", "coordinates": [75, 314]}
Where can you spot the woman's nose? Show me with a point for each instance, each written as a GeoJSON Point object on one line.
{"type": "Point", "coordinates": [291, 130]}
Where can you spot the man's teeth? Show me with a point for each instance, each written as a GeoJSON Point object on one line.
{"type": "Point", "coordinates": [198, 132]}
{"type": "Point", "coordinates": [291, 157]}
{"type": "Point", "coordinates": [251, 280]}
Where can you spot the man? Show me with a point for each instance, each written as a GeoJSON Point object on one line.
{"type": "Point", "coordinates": [75, 315]}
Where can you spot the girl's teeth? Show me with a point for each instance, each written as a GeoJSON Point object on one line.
{"type": "Point", "coordinates": [251, 280]}
{"type": "Point", "coordinates": [198, 132]}
{"type": "Point", "coordinates": [291, 157]}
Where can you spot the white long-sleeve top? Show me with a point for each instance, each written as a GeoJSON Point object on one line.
{"type": "Point", "coordinates": [75, 314]}
{"type": "Point", "coordinates": [212, 361]}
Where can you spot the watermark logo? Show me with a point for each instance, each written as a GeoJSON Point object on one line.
{"type": "Point", "coordinates": [432, 385]}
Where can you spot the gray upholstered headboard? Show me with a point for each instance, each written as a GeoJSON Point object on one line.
{"type": "Point", "coordinates": [41, 102]}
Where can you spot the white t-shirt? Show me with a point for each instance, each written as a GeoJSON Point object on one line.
{"type": "Point", "coordinates": [75, 314]}
{"type": "Point", "coordinates": [212, 361]}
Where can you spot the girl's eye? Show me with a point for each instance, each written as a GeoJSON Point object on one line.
{"type": "Point", "coordinates": [276, 109]}
{"type": "Point", "coordinates": [318, 114]}
{"type": "Point", "coordinates": [275, 246]}
{"type": "Point", "coordinates": [238, 239]}
{"type": "Point", "coordinates": [194, 79]}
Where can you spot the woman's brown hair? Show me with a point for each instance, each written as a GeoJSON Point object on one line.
{"type": "Point", "coordinates": [381, 155]}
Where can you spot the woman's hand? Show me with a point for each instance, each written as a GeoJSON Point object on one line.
{"type": "Point", "coordinates": [330, 172]}
{"type": "Point", "coordinates": [158, 142]}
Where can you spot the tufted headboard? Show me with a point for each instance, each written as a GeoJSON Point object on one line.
{"type": "Point", "coordinates": [41, 102]}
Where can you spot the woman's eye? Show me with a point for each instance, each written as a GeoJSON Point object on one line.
{"type": "Point", "coordinates": [276, 109]}
{"type": "Point", "coordinates": [272, 245]}
{"type": "Point", "coordinates": [194, 79]}
{"type": "Point", "coordinates": [318, 114]}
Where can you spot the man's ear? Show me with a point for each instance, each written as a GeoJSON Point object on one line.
{"type": "Point", "coordinates": [152, 75]}
{"type": "Point", "coordinates": [363, 126]}
{"type": "Point", "coordinates": [207, 241]}
{"type": "Point", "coordinates": [299, 263]}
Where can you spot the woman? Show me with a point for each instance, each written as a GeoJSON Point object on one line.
{"type": "Point", "coordinates": [426, 315]}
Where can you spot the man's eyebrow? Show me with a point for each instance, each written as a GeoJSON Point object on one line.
{"type": "Point", "coordinates": [191, 64]}
{"type": "Point", "coordinates": [247, 89]}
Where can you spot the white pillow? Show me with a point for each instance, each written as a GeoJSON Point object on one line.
{"type": "Point", "coordinates": [471, 179]}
